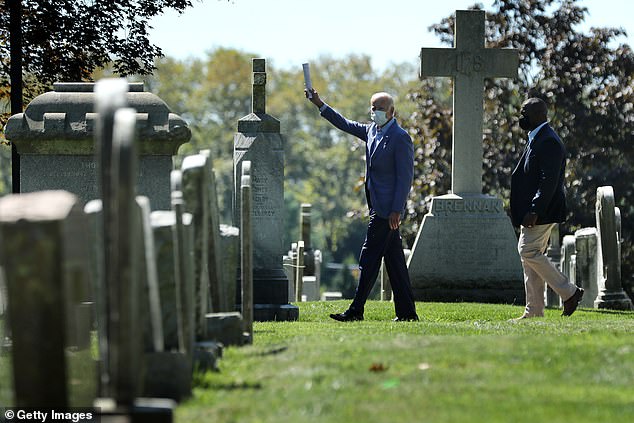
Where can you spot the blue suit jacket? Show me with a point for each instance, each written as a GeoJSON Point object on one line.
{"type": "Point", "coordinates": [389, 171]}
{"type": "Point", "coordinates": [537, 183]}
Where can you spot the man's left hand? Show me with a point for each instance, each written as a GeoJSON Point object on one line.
{"type": "Point", "coordinates": [529, 220]}
{"type": "Point", "coordinates": [395, 220]}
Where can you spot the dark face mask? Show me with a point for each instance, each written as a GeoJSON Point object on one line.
{"type": "Point", "coordinates": [525, 123]}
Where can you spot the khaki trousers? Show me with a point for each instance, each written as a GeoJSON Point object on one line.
{"type": "Point", "coordinates": [538, 269]}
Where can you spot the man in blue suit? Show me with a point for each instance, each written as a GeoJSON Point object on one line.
{"type": "Point", "coordinates": [389, 158]}
{"type": "Point", "coordinates": [538, 203]}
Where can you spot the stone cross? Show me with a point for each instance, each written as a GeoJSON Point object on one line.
{"type": "Point", "coordinates": [258, 105]}
{"type": "Point", "coordinates": [468, 63]}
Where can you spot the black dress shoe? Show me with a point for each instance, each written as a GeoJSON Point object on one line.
{"type": "Point", "coordinates": [413, 318]}
{"type": "Point", "coordinates": [570, 305]}
{"type": "Point", "coordinates": [346, 316]}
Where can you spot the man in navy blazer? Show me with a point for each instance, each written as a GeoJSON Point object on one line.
{"type": "Point", "coordinates": [538, 203]}
{"type": "Point", "coordinates": [389, 173]}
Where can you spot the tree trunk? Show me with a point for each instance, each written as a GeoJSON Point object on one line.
{"type": "Point", "coordinates": [15, 42]}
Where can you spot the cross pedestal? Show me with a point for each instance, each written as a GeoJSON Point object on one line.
{"type": "Point", "coordinates": [466, 249]}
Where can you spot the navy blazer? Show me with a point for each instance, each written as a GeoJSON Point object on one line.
{"type": "Point", "coordinates": [390, 170]}
{"type": "Point", "coordinates": [537, 183]}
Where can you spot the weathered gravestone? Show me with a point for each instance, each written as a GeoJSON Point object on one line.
{"type": "Point", "coordinates": [195, 177]}
{"type": "Point", "coordinates": [568, 258]}
{"type": "Point", "coordinates": [246, 249]}
{"type": "Point", "coordinates": [229, 256]}
{"type": "Point", "coordinates": [203, 351]}
{"type": "Point", "coordinates": [123, 360]}
{"type": "Point", "coordinates": [3, 299]}
{"type": "Point", "coordinates": [289, 263]}
{"type": "Point", "coordinates": [466, 249]}
{"type": "Point", "coordinates": [310, 281]}
{"type": "Point", "coordinates": [611, 294]}
{"type": "Point", "coordinates": [299, 272]}
{"type": "Point", "coordinates": [218, 288]}
{"type": "Point", "coordinates": [44, 262]}
{"type": "Point", "coordinates": [176, 290]}
{"type": "Point", "coordinates": [173, 368]}
{"type": "Point", "coordinates": [229, 328]}
{"type": "Point", "coordinates": [259, 140]}
{"type": "Point", "coordinates": [54, 137]}
{"type": "Point", "coordinates": [304, 230]}
{"type": "Point", "coordinates": [587, 264]}
{"type": "Point", "coordinates": [162, 375]}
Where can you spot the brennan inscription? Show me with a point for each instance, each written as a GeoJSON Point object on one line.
{"type": "Point", "coordinates": [470, 205]}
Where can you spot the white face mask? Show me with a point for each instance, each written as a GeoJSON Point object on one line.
{"type": "Point", "coordinates": [379, 117]}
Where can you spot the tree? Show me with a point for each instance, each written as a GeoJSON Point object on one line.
{"type": "Point", "coordinates": [587, 79]}
{"type": "Point", "coordinates": [66, 40]}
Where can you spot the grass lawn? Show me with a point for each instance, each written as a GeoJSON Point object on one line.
{"type": "Point", "coordinates": [461, 363]}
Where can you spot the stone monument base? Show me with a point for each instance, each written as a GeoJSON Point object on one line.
{"type": "Point", "coordinates": [270, 296]}
{"type": "Point", "coordinates": [613, 301]}
{"type": "Point", "coordinates": [275, 312]}
{"type": "Point", "coordinates": [466, 250]}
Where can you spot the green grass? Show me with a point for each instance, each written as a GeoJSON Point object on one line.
{"type": "Point", "coordinates": [461, 363]}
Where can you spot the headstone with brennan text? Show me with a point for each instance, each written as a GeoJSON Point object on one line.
{"type": "Point", "coordinates": [466, 248]}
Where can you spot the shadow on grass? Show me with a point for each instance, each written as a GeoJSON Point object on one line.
{"type": "Point", "coordinates": [604, 311]}
{"type": "Point", "coordinates": [232, 386]}
{"type": "Point", "coordinates": [271, 351]}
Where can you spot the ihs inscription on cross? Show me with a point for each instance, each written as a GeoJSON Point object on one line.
{"type": "Point", "coordinates": [468, 63]}
{"type": "Point", "coordinates": [259, 86]}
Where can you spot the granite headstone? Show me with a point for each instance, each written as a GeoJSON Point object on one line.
{"type": "Point", "coordinates": [259, 141]}
{"type": "Point", "coordinates": [54, 137]}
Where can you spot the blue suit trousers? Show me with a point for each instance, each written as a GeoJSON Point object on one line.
{"type": "Point", "coordinates": [381, 241]}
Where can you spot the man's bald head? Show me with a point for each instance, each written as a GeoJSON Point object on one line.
{"type": "Point", "coordinates": [535, 111]}
{"type": "Point", "coordinates": [383, 101]}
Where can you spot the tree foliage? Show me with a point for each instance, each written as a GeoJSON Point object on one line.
{"type": "Point", "coordinates": [67, 39]}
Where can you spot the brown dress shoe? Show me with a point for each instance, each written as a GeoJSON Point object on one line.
{"type": "Point", "coordinates": [570, 305]}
